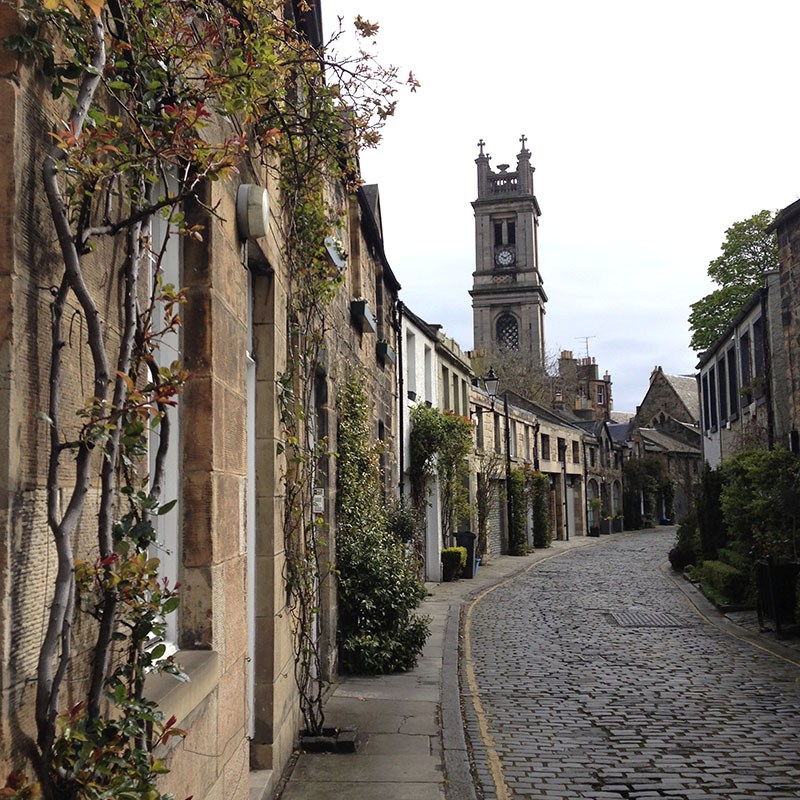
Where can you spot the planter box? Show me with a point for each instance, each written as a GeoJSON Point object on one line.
{"type": "Point", "coordinates": [605, 526]}
{"type": "Point", "coordinates": [385, 353]}
{"type": "Point", "coordinates": [616, 525]}
{"type": "Point", "coordinates": [338, 259]}
{"type": "Point", "coordinates": [362, 316]}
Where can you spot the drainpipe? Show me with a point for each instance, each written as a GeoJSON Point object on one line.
{"type": "Point", "coordinates": [401, 404]}
{"type": "Point", "coordinates": [509, 501]}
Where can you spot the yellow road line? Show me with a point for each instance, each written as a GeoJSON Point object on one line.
{"type": "Point", "coordinates": [725, 630]}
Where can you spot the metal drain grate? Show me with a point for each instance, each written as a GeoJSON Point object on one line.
{"type": "Point", "coordinates": [645, 619]}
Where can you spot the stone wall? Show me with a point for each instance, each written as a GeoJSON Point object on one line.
{"type": "Point", "coordinates": [233, 598]}
{"type": "Point", "coordinates": [788, 230]}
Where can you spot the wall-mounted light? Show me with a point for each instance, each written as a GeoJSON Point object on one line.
{"type": "Point", "coordinates": [252, 211]}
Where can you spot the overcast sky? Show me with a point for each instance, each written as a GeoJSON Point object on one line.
{"type": "Point", "coordinates": [653, 127]}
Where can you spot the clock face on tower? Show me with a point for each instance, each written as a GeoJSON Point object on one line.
{"type": "Point", "coordinates": [504, 257]}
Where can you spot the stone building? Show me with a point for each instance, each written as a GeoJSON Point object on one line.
{"type": "Point", "coordinates": [507, 294]}
{"type": "Point", "coordinates": [787, 228]}
{"type": "Point", "coordinates": [666, 426]}
{"type": "Point", "coordinates": [436, 372]}
{"type": "Point", "coordinates": [581, 390]}
{"type": "Point", "coordinates": [225, 536]}
{"type": "Point", "coordinates": [531, 436]}
{"type": "Point", "coordinates": [744, 393]}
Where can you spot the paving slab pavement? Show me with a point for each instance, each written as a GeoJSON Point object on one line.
{"type": "Point", "coordinates": [411, 735]}
{"type": "Point", "coordinates": [412, 743]}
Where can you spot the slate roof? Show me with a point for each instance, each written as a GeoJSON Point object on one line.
{"type": "Point", "coordinates": [665, 443]}
{"type": "Point", "coordinates": [685, 386]}
{"type": "Point", "coordinates": [619, 431]}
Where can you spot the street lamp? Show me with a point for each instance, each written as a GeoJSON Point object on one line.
{"type": "Point", "coordinates": [492, 384]}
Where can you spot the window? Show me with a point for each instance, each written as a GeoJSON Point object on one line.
{"type": "Point", "coordinates": [479, 434]}
{"type": "Point", "coordinates": [527, 444]}
{"type": "Point", "coordinates": [507, 332]}
{"type": "Point", "coordinates": [428, 375]}
{"type": "Point", "coordinates": [576, 453]}
{"type": "Point", "coordinates": [712, 396]}
{"type": "Point", "coordinates": [498, 234]}
{"type": "Point", "coordinates": [497, 437]}
{"type": "Point", "coordinates": [601, 395]}
{"type": "Point", "coordinates": [759, 356]}
{"type": "Point", "coordinates": [511, 233]}
{"type": "Point", "coordinates": [456, 396]}
{"type": "Point", "coordinates": [512, 439]}
{"type": "Point", "coordinates": [723, 390]}
{"type": "Point", "coordinates": [706, 407]}
{"type": "Point", "coordinates": [733, 386]}
{"type": "Point", "coordinates": [545, 447]}
{"type": "Point", "coordinates": [411, 366]}
{"type": "Point", "coordinates": [746, 367]}
{"type": "Point", "coordinates": [167, 526]}
{"type": "Point", "coordinates": [562, 450]}
{"type": "Point", "coordinates": [445, 399]}
{"type": "Point", "coordinates": [592, 456]}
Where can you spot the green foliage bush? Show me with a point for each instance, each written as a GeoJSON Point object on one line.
{"type": "Point", "coordinates": [645, 479]}
{"type": "Point", "coordinates": [760, 500]}
{"type": "Point", "coordinates": [403, 521]}
{"type": "Point", "coordinates": [454, 559]}
{"type": "Point", "coordinates": [517, 546]}
{"type": "Point", "coordinates": [728, 584]}
{"type": "Point", "coordinates": [687, 547]}
{"type": "Point", "coordinates": [540, 507]}
{"type": "Point", "coordinates": [379, 589]}
{"type": "Point", "coordinates": [711, 524]}
{"type": "Point", "coordinates": [733, 558]}
{"type": "Point", "coordinates": [440, 442]}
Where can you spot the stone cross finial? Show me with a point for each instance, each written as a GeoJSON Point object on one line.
{"type": "Point", "coordinates": [523, 139]}
{"type": "Point", "coordinates": [481, 144]}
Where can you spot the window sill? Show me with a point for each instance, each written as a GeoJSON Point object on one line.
{"type": "Point", "coordinates": [180, 698]}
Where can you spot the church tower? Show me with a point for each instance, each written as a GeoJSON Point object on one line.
{"type": "Point", "coordinates": [507, 294]}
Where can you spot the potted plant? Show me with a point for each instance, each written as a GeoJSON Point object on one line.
{"type": "Point", "coordinates": [605, 524]}
{"type": "Point", "coordinates": [616, 524]}
{"type": "Point", "coordinates": [453, 561]}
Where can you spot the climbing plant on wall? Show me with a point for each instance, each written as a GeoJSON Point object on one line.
{"type": "Point", "coordinates": [440, 443]}
{"type": "Point", "coordinates": [153, 100]}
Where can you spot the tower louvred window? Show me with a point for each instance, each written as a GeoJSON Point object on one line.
{"type": "Point", "coordinates": [507, 332]}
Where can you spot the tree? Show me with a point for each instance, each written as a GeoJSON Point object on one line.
{"type": "Point", "coordinates": [522, 374]}
{"type": "Point", "coordinates": [748, 250]}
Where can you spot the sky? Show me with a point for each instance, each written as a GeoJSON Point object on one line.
{"type": "Point", "coordinates": [653, 127]}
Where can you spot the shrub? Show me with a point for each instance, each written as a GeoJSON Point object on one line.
{"type": "Point", "coordinates": [454, 559]}
{"type": "Point", "coordinates": [760, 501]}
{"type": "Point", "coordinates": [734, 559]}
{"type": "Point", "coordinates": [403, 522]}
{"type": "Point", "coordinates": [540, 506]}
{"type": "Point", "coordinates": [517, 546]}
{"type": "Point", "coordinates": [379, 589]}
{"type": "Point", "coordinates": [728, 584]}
{"type": "Point", "coordinates": [711, 525]}
{"type": "Point", "coordinates": [687, 547]}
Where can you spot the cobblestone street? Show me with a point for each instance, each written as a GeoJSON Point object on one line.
{"type": "Point", "coordinates": [592, 676]}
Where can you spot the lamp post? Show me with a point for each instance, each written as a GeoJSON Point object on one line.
{"type": "Point", "coordinates": [491, 382]}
